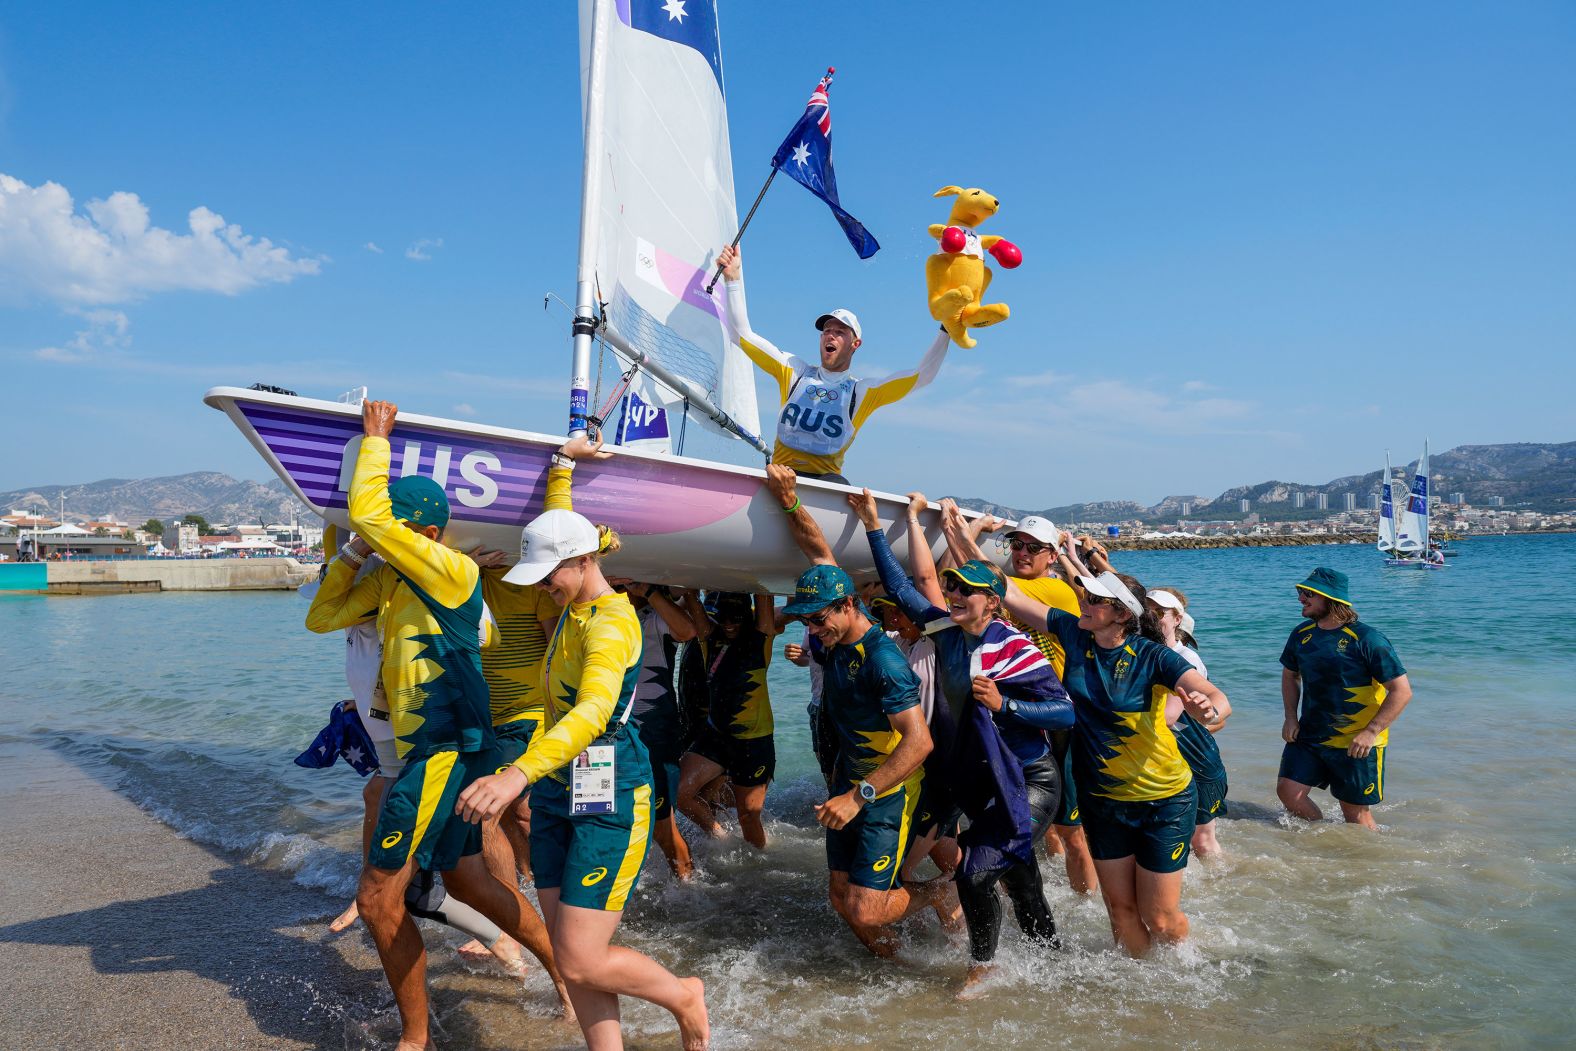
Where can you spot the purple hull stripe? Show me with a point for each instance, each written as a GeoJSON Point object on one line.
{"type": "Point", "coordinates": [501, 481]}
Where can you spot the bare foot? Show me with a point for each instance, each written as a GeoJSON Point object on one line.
{"type": "Point", "coordinates": [974, 982]}
{"type": "Point", "coordinates": [475, 951]}
{"type": "Point", "coordinates": [346, 918]}
{"type": "Point", "coordinates": [694, 1027]}
{"type": "Point", "coordinates": [416, 1045]}
{"type": "Point", "coordinates": [948, 909]}
{"type": "Point", "coordinates": [564, 1001]}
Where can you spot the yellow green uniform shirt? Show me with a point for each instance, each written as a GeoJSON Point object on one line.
{"type": "Point", "coordinates": [513, 665]}
{"type": "Point", "coordinates": [741, 704]}
{"type": "Point", "coordinates": [591, 671]}
{"type": "Point", "coordinates": [822, 411]}
{"type": "Point", "coordinates": [1057, 594]}
{"type": "Point", "coordinates": [427, 599]}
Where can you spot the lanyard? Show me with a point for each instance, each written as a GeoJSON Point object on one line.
{"type": "Point", "coordinates": [547, 672]}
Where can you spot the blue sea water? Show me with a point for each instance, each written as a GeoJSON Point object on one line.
{"type": "Point", "coordinates": [1449, 928]}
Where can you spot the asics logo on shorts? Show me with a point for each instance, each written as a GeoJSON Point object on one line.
{"type": "Point", "coordinates": [392, 840]}
{"type": "Point", "coordinates": [1177, 853]}
{"type": "Point", "coordinates": [592, 878]}
{"type": "Point", "coordinates": [1216, 806]}
{"type": "Point", "coordinates": [925, 816]}
{"type": "Point", "coordinates": [883, 864]}
{"type": "Point", "coordinates": [1074, 815]}
{"type": "Point", "coordinates": [1369, 790]}
{"type": "Point", "coordinates": [759, 770]}
{"type": "Point", "coordinates": [660, 800]}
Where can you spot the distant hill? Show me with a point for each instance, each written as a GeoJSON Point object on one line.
{"type": "Point", "coordinates": [217, 497]}
{"type": "Point", "coordinates": [1527, 474]}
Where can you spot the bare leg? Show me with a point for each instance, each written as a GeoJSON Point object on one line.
{"type": "Point", "coordinates": [750, 801]}
{"type": "Point", "coordinates": [695, 771]}
{"type": "Point", "coordinates": [472, 883]}
{"type": "Point", "coordinates": [1081, 873]}
{"type": "Point", "coordinates": [516, 825]}
{"type": "Point", "coordinates": [599, 972]}
{"type": "Point", "coordinates": [666, 833]}
{"type": "Point", "coordinates": [1119, 886]}
{"type": "Point", "coordinates": [381, 897]}
{"type": "Point", "coordinates": [1294, 797]}
{"type": "Point", "coordinates": [498, 854]}
{"type": "Point", "coordinates": [1205, 845]}
{"type": "Point", "coordinates": [1357, 814]}
{"type": "Point", "coordinates": [871, 913]}
{"type": "Point", "coordinates": [372, 802]}
{"type": "Point", "coordinates": [1160, 905]}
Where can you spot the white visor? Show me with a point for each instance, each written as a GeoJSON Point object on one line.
{"type": "Point", "coordinates": [1109, 585]}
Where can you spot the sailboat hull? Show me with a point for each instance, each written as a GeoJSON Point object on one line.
{"type": "Point", "coordinates": [685, 522]}
{"type": "Point", "coordinates": [1412, 563]}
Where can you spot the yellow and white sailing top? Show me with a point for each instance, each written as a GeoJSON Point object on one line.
{"type": "Point", "coordinates": [525, 617]}
{"type": "Point", "coordinates": [822, 411]}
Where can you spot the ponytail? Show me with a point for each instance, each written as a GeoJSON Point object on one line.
{"type": "Point", "coordinates": [608, 542]}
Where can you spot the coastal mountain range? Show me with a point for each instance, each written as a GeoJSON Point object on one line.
{"type": "Point", "coordinates": [1526, 474]}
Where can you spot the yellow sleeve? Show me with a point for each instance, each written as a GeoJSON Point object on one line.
{"type": "Point", "coordinates": [446, 575]}
{"type": "Point", "coordinates": [609, 650]}
{"type": "Point", "coordinates": [900, 384]}
{"type": "Point", "coordinates": [767, 358]}
{"type": "Point", "coordinates": [340, 602]}
{"type": "Point", "coordinates": [559, 482]}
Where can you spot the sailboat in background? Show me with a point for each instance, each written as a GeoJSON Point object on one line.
{"type": "Point", "coordinates": [1411, 549]}
{"type": "Point", "coordinates": [685, 489]}
{"type": "Point", "coordinates": [1387, 530]}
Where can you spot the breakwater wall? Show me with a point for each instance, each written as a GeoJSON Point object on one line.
{"type": "Point", "coordinates": [113, 576]}
{"type": "Point", "coordinates": [1198, 543]}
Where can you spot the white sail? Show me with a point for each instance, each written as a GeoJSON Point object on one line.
{"type": "Point", "coordinates": [1387, 534]}
{"type": "Point", "coordinates": [1412, 538]}
{"type": "Point", "coordinates": [659, 204]}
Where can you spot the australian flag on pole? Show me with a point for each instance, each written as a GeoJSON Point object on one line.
{"type": "Point", "coordinates": [806, 157]}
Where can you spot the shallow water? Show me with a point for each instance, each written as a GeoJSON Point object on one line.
{"type": "Point", "coordinates": [1449, 929]}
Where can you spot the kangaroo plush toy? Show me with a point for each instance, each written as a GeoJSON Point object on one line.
{"type": "Point", "coordinates": [957, 277]}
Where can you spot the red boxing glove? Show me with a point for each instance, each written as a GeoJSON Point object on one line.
{"type": "Point", "coordinates": [953, 239]}
{"type": "Point", "coordinates": [1007, 254]}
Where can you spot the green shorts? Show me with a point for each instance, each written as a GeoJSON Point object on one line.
{"type": "Point", "coordinates": [593, 860]}
{"type": "Point", "coordinates": [1155, 832]}
{"type": "Point", "coordinates": [748, 761]}
{"type": "Point", "coordinates": [1211, 799]}
{"type": "Point", "coordinates": [515, 737]}
{"type": "Point", "coordinates": [659, 732]}
{"type": "Point", "coordinates": [1359, 782]}
{"type": "Point", "coordinates": [1067, 814]}
{"type": "Point", "coordinates": [418, 822]}
{"type": "Point", "coordinates": [872, 846]}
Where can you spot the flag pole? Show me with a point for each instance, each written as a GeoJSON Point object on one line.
{"type": "Point", "coordinates": [742, 226]}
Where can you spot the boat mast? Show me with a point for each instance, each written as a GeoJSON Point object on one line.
{"type": "Point", "coordinates": [584, 326]}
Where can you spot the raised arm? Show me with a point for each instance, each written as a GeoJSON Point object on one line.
{"type": "Point", "coordinates": [1021, 606]}
{"type": "Point", "coordinates": [891, 388]}
{"type": "Point", "coordinates": [767, 358]}
{"type": "Point", "coordinates": [925, 577]}
{"type": "Point", "coordinates": [341, 600]}
{"type": "Point", "coordinates": [766, 619]}
{"type": "Point", "coordinates": [675, 616]}
{"type": "Point", "coordinates": [899, 588]}
{"type": "Point", "coordinates": [783, 485]}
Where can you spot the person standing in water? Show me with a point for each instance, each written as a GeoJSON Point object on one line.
{"type": "Point", "coordinates": [1342, 686]}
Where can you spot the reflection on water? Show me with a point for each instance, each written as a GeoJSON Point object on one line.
{"type": "Point", "coordinates": [1448, 929]}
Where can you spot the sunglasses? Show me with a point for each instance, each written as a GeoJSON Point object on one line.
{"type": "Point", "coordinates": [1098, 600]}
{"type": "Point", "coordinates": [953, 586]}
{"type": "Point", "coordinates": [1028, 545]}
{"type": "Point", "coordinates": [818, 620]}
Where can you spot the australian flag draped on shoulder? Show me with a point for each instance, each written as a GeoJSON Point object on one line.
{"type": "Point", "coordinates": [806, 157]}
{"type": "Point", "coordinates": [989, 778]}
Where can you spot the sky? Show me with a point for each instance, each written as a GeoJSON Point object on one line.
{"type": "Point", "coordinates": [1261, 241]}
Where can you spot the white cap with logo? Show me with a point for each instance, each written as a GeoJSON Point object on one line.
{"type": "Point", "coordinates": [840, 314]}
{"type": "Point", "coordinates": [552, 537]}
{"type": "Point", "coordinates": [1038, 528]}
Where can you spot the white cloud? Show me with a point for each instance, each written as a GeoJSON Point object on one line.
{"type": "Point", "coordinates": [372, 246]}
{"type": "Point", "coordinates": [106, 333]}
{"type": "Point", "coordinates": [111, 253]}
{"type": "Point", "coordinates": [465, 409]}
{"type": "Point", "coordinates": [1039, 379]}
{"type": "Point", "coordinates": [421, 248]}
{"type": "Point", "coordinates": [1192, 386]}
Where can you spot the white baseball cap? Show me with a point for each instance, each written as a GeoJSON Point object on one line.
{"type": "Point", "coordinates": [1109, 585]}
{"type": "Point", "coordinates": [1165, 599]}
{"type": "Point", "coordinates": [1041, 529]}
{"type": "Point", "coordinates": [840, 314]}
{"type": "Point", "coordinates": [1187, 624]}
{"type": "Point", "coordinates": [552, 537]}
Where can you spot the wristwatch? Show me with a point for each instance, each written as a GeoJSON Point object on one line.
{"type": "Point", "coordinates": [1011, 706]}
{"type": "Point", "coordinates": [566, 463]}
{"type": "Point", "coordinates": [867, 791]}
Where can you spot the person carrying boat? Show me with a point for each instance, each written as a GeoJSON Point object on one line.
{"type": "Point", "coordinates": [823, 404]}
{"type": "Point", "coordinates": [1349, 685]}
{"type": "Point", "coordinates": [589, 772]}
{"type": "Point", "coordinates": [871, 698]}
{"type": "Point", "coordinates": [1196, 739]}
{"type": "Point", "coordinates": [1002, 698]}
{"type": "Point", "coordinates": [439, 712]}
{"type": "Point", "coordinates": [736, 740]}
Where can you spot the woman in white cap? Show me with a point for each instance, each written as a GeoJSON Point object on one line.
{"type": "Point", "coordinates": [590, 775]}
{"type": "Point", "coordinates": [1195, 738]}
{"type": "Point", "coordinates": [1135, 789]}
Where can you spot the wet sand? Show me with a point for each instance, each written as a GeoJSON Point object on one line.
{"type": "Point", "coordinates": [120, 933]}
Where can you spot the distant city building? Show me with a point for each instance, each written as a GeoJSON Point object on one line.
{"type": "Point", "coordinates": [1242, 505]}
{"type": "Point", "coordinates": [1459, 499]}
{"type": "Point", "coordinates": [1496, 501]}
{"type": "Point", "coordinates": [1187, 508]}
{"type": "Point", "coordinates": [1373, 501]}
{"type": "Point", "coordinates": [1349, 501]}
{"type": "Point", "coordinates": [1299, 499]}
{"type": "Point", "coordinates": [1322, 501]}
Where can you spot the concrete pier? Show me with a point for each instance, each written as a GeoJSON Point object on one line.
{"type": "Point", "coordinates": [110, 576]}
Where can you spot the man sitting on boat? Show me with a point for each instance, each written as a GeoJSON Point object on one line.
{"type": "Point", "coordinates": [824, 405]}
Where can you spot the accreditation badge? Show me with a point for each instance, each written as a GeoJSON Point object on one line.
{"type": "Point", "coordinates": [591, 781]}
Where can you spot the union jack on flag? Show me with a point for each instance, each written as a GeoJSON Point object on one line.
{"type": "Point", "coordinates": [1012, 660]}
{"type": "Point", "coordinates": [806, 157]}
